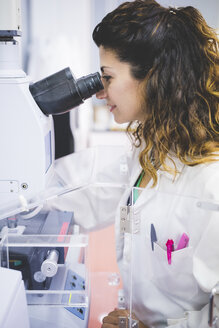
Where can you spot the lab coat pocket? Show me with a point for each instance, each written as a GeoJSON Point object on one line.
{"type": "Point", "coordinates": [174, 277]}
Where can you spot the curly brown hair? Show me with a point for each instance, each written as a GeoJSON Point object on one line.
{"type": "Point", "coordinates": [175, 54]}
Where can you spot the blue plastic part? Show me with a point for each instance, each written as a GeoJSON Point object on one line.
{"type": "Point", "coordinates": [75, 282]}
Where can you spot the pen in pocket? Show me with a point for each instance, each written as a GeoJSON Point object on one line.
{"type": "Point", "coordinates": [183, 242]}
{"type": "Point", "coordinates": [153, 236]}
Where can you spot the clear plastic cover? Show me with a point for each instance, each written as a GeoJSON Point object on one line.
{"type": "Point", "coordinates": [51, 265]}
{"type": "Point", "coordinates": [30, 206]}
{"type": "Point", "coordinates": [97, 205]}
{"type": "Point", "coordinates": [43, 240]}
{"type": "Point", "coordinates": [79, 170]}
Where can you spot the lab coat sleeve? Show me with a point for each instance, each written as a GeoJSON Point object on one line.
{"type": "Point", "coordinates": [97, 177]}
{"type": "Point", "coordinates": [206, 258]}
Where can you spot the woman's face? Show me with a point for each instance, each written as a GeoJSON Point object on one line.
{"type": "Point", "coordinates": [121, 90]}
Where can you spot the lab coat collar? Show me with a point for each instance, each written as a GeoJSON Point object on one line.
{"type": "Point", "coordinates": [179, 166]}
{"type": "Point", "coordinates": [148, 192]}
{"type": "Point", "coordinates": [161, 171]}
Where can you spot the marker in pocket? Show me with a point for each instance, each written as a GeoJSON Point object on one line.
{"type": "Point", "coordinates": [170, 249]}
{"type": "Point", "coordinates": [183, 242]}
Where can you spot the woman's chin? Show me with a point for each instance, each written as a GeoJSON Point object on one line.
{"type": "Point", "coordinates": [120, 120]}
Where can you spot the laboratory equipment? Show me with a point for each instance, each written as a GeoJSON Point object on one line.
{"type": "Point", "coordinates": [53, 263]}
{"type": "Point", "coordinates": [213, 319]}
{"type": "Point", "coordinates": [27, 142]}
{"type": "Point", "coordinates": [60, 92]}
{"type": "Point", "coordinates": [13, 302]}
{"type": "Point", "coordinates": [38, 245]}
{"type": "Point", "coordinates": [38, 264]}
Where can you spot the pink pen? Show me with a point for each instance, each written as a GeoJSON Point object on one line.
{"type": "Point", "coordinates": [170, 249]}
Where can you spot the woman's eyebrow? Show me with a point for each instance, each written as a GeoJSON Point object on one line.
{"type": "Point", "coordinates": [102, 68]}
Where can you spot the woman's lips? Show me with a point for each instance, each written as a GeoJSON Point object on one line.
{"type": "Point", "coordinates": [111, 108]}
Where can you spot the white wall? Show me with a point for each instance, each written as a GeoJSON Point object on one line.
{"type": "Point", "coordinates": [208, 8]}
{"type": "Point", "coordinates": [60, 36]}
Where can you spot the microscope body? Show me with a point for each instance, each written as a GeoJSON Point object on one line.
{"type": "Point", "coordinates": [27, 136]}
{"type": "Point", "coordinates": [38, 243]}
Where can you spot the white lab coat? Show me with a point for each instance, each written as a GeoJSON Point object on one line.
{"type": "Point", "coordinates": [175, 295]}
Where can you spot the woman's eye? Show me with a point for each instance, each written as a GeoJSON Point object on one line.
{"type": "Point", "coordinates": [106, 77]}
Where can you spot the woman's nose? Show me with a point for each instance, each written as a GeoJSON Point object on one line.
{"type": "Point", "coordinates": [101, 94]}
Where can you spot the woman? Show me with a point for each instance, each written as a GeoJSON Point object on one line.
{"type": "Point", "coordinates": [160, 73]}
{"type": "Point", "coordinates": [160, 67]}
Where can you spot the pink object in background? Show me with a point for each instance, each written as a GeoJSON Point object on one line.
{"type": "Point", "coordinates": [103, 275]}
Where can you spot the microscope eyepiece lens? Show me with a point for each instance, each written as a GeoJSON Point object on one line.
{"type": "Point", "coordinates": [88, 85]}
{"type": "Point", "coordinates": [60, 92]}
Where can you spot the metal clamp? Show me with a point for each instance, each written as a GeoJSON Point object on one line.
{"type": "Point", "coordinates": [129, 221]}
{"type": "Point", "coordinates": [126, 322]}
{"type": "Point", "coordinates": [211, 319]}
{"type": "Point", "coordinates": [125, 222]}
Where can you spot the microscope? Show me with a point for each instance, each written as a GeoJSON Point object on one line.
{"type": "Point", "coordinates": [27, 136]}
{"type": "Point", "coordinates": [27, 174]}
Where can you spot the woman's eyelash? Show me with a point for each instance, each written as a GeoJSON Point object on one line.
{"type": "Point", "coordinates": [106, 77]}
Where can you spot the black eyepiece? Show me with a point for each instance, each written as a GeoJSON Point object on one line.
{"type": "Point", "coordinates": [60, 92]}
